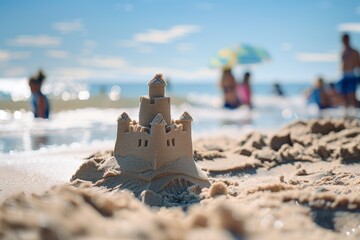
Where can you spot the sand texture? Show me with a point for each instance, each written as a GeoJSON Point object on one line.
{"type": "Point", "coordinates": [301, 182]}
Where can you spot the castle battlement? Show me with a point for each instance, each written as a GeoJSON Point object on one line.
{"type": "Point", "coordinates": [134, 127]}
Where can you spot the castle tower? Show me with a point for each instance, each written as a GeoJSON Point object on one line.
{"type": "Point", "coordinates": [158, 134]}
{"type": "Point", "coordinates": [122, 128]}
{"type": "Point", "coordinates": [157, 87]}
{"type": "Point", "coordinates": [123, 122]}
{"type": "Point", "coordinates": [185, 119]}
{"type": "Point", "coordinates": [155, 103]}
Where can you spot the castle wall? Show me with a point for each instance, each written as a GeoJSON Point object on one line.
{"type": "Point", "coordinates": [159, 147]}
{"type": "Point", "coordinates": [177, 144]}
{"type": "Point", "coordinates": [149, 108]}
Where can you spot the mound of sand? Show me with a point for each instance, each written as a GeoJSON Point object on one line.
{"type": "Point", "coordinates": [301, 182]}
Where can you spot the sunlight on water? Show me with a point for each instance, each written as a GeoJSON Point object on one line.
{"type": "Point", "coordinates": [115, 93]}
{"type": "Point", "coordinates": [19, 131]}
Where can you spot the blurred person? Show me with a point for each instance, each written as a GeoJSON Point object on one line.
{"type": "Point", "coordinates": [335, 99]}
{"type": "Point", "coordinates": [277, 90]}
{"type": "Point", "coordinates": [244, 90]}
{"type": "Point", "coordinates": [318, 95]}
{"type": "Point", "coordinates": [228, 86]}
{"type": "Point", "coordinates": [39, 102]}
{"type": "Point", "coordinates": [350, 63]}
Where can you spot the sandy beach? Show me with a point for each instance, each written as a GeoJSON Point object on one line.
{"type": "Point", "coordinates": [208, 120]}
{"type": "Point", "coordinates": [301, 181]}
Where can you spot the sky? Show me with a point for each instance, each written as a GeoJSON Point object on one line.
{"type": "Point", "coordinates": [125, 41]}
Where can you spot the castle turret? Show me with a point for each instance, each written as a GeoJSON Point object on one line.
{"type": "Point", "coordinates": [123, 123]}
{"type": "Point", "coordinates": [157, 86]}
{"type": "Point", "coordinates": [185, 119]}
{"type": "Point", "coordinates": [155, 103]}
{"type": "Point", "coordinates": [158, 120]}
{"type": "Point", "coordinates": [158, 135]}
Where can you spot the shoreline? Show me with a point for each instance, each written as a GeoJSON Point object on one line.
{"type": "Point", "coordinates": [99, 101]}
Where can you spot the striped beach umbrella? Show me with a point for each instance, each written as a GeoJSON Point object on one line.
{"type": "Point", "coordinates": [241, 55]}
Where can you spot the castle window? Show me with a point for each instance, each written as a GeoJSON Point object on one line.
{"type": "Point", "coordinates": [168, 128]}
{"type": "Point", "coordinates": [168, 142]}
{"type": "Point", "coordinates": [139, 144]}
{"type": "Point", "coordinates": [173, 141]}
{"type": "Point", "coordinates": [146, 143]}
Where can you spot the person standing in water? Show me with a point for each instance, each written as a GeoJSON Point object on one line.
{"type": "Point", "coordinates": [350, 63]}
{"type": "Point", "coordinates": [228, 86]}
{"type": "Point", "coordinates": [244, 90]}
{"type": "Point", "coordinates": [39, 102]}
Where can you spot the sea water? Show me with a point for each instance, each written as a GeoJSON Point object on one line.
{"type": "Point", "coordinates": [83, 127]}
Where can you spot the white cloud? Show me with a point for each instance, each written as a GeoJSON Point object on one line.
{"type": "Point", "coordinates": [15, 72]}
{"type": "Point", "coordinates": [103, 62]}
{"type": "Point", "coordinates": [69, 27]}
{"type": "Point", "coordinates": [166, 36]}
{"type": "Point", "coordinates": [317, 57]}
{"type": "Point", "coordinates": [349, 27]}
{"type": "Point", "coordinates": [57, 54]}
{"type": "Point", "coordinates": [20, 55]}
{"type": "Point", "coordinates": [140, 47]}
{"type": "Point", "coordinates": [6, 55]}
{"type": "Point", "coordinates": [35, 41]}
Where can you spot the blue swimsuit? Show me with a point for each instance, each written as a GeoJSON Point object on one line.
{"type": "Point", "coordinates": [35, 104]}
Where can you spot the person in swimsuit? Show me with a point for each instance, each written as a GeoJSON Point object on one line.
{"type": "Point", "coordinates": [244, 90]}
{"type": "Point", "coordinates": [39, 102]}
{"type": "Point", "coordinates": [317, 95]}
{"type": "Point", "coordinates": [335, 99]}
{"type": "Point", "coordinates": [228, 86]}
{"type": "Point", "coordinates": [350, 63]}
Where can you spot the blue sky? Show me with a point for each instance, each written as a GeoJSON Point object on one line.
{"type": "Point", "coordinates": [132, 40]}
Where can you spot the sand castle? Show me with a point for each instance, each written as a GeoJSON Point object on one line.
{"type": "Point", "coordinates": [156, 153]}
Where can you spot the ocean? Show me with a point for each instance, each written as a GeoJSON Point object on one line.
{"type": "Point", "coordinates": [20, 132]}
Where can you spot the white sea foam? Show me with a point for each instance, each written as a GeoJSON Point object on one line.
{"type": "Point", "coordinates": [19, 131]}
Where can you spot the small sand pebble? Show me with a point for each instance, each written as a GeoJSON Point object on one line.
{"type": "Point", "coordinates": [218, 188]}
{"type": "Point", "coordinates": [301, 172]}
{"type": "Point", "coordinates": [282, 178]}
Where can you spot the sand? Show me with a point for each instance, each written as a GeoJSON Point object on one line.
{"type": "Point", "coordinates": [301, 182]}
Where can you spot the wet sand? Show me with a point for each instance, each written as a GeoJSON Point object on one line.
{"type": "Point", "coordinates": [301, 182]}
